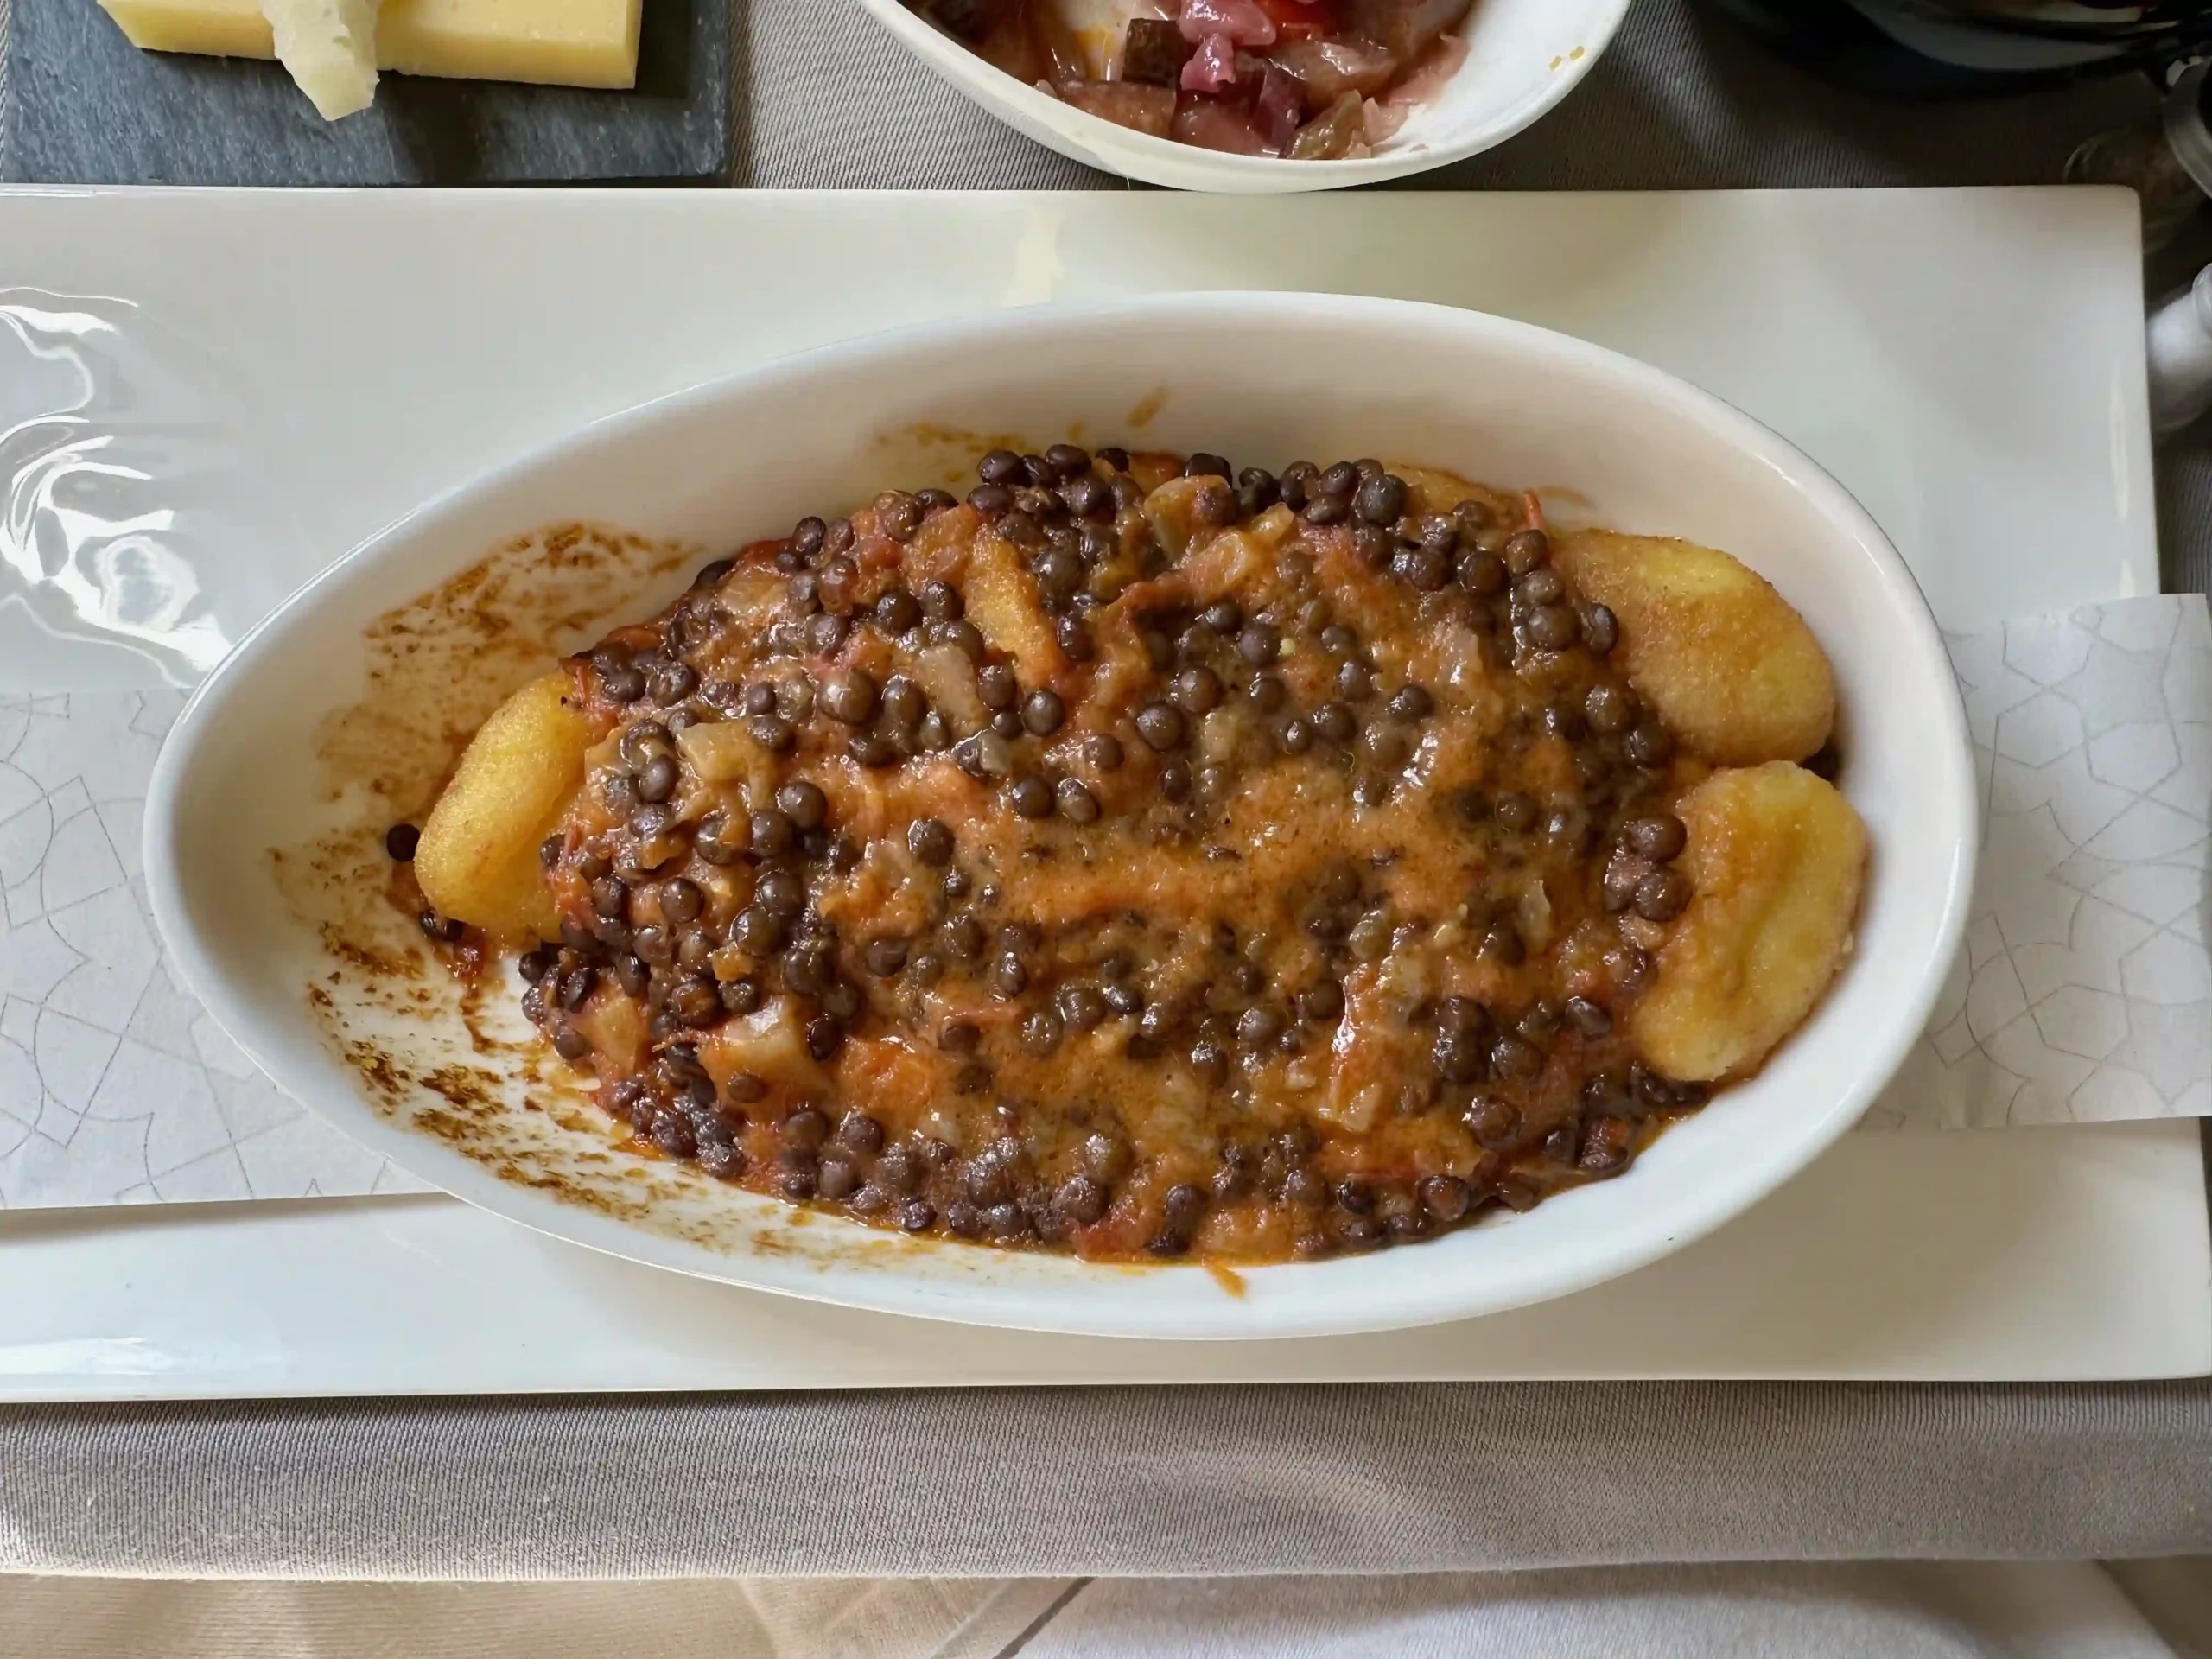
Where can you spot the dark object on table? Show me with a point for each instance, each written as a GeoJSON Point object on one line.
{"type": "Point", "coordinates": [1951, 48]}
{"type": "Point", "coordinates": [2166, 159]}
{"type": "Point", "coordinates": [85, 106]}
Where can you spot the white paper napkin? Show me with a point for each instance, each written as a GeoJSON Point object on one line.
{"type": "Point", "coordinates": [2085, 994]}
{"type": "Point", "coordinates": [116, 1087]}
{"type": "Point", "coordinates": [2085, 991]}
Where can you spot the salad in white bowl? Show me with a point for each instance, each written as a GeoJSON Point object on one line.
{"type": "Point", "coordinates": [1260, 95]}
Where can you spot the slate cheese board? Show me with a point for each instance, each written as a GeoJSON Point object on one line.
{"type": "Point", "coordinates": [79, 104]}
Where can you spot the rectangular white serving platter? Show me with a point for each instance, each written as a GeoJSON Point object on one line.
{"type": "Point", "coordinates": [1968, 362]}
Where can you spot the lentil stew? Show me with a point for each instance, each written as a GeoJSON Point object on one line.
{"type": "Point", "coordinates": [1147, 857]}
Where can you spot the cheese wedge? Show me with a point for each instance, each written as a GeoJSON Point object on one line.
{"type": "Point", "coordinates": [329, 48]}
{"type": "Point", "coordinates": [553, 42]}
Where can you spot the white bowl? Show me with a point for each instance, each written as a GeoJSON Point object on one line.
{"type": "Point", "coordinates": [725, 463]}
{"type": "Point", "coordinates": [1523, 57]}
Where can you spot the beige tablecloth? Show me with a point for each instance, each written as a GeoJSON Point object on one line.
{"type": "Point", "coordinates": [1844, 1611]}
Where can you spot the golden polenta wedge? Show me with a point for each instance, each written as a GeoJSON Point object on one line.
{"type": "Point", "coordinates": [1732, 670]}
{"type": "Point", "coordinates": [1428, 490]}
{"type": "Point", "coordinates": [1775, 859]}
{"type": "Point", "coordinates": [478, 859]}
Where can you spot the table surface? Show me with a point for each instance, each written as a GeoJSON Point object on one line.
{"type": "Point", "coordinates": [1368, 1479]}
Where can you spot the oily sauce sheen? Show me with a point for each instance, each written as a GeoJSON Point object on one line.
{"type": "Point", "coordinates": [1136, 858]}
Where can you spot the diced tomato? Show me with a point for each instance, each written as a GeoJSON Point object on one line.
{"type": "Point", "coordinates": [1302, 20]}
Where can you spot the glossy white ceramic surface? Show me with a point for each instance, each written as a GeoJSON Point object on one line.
{"type": "Point", "coordinates": [1904, 338]}
{"type": "Point", "coordinates": [1523, 57]}
{"type": "Point", "coordinates": [1894, 1258]}
{"type": "Point", "coordinates": [1262, 377]}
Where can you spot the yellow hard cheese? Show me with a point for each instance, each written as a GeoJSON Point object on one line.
{"type": "Point", "coordinates": [557, 43]}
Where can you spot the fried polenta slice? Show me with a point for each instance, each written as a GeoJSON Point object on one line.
{"type": "Point", "coordinates": [1731, 667]}
{"type": "Point", "coordinates": [478, 861]}
{"type": "Point", "coordinates": [1776, 859]}
{"type": "Point", "coordinates": [1431, 490]}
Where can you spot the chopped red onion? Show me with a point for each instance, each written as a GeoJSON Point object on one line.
{"type": "Point", "coordinates": [1281, 107]}
{"type": "Point", "coordinates": [1218, 124]}
{"type": "Point", "coordinates": [1212, 67]}
{"type": "Point", "coordinates": [1246, 23]}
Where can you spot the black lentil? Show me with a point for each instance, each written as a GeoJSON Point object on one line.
{"type": "Point", "coordinates": [930, 841]}
{"type": "Point", "coordinates": [1162, 725]}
